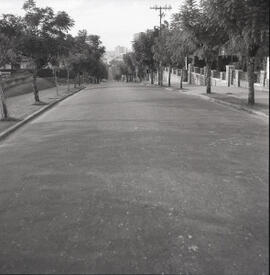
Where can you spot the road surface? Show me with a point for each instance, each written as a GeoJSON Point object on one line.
{"type": "Point", "coordinates": [135, 180]}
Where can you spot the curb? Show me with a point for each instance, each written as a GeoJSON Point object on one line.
{"type": "Point", "coordinates": [18, 125]}
{"type": "Point", "coordinates": [235, 106]}
{"type": "Point", "coordinates": [111, 87]}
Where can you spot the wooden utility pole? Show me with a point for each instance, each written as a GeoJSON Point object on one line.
{"type": "Point", "coordinates": [161, 14]}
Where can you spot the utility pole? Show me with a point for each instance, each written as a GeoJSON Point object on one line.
{"type": "Point", "coordinates": [161, 14]}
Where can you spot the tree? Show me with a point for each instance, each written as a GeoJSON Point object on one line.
{"type": "Point", "coordinates": [129, 68]}
{"type": "Point", "coordinates": [101, 71]}
{"type": "Point", "coordinates": [144, 52]}
{"type": "Point", "coordinates": [164, 51]}
{"type": "Point", "coordinates": [85, 57]}
{"type": "Point", "coordinates": [247, 24]}
{"type": "Point", "coordinates": [201, 34]}
{"type": "Point", "coordinates": [42, 32]}
{"type": "Point", "coordinates": [10, 34]}
{"type": "Point", "coordinates": [117, 69]}
{"type": "Point", "coordinates": [96, 67]}
{"type": "Point", "coordinates": [180, 49]}
{"type": "Point", "coordinates": [65, 56]}
{"type": "Point", "coordinates": [4, 55]}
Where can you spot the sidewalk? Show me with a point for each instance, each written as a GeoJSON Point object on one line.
{"type": "Point", "coordinates": [232, 96]}
{"type": "Point", "coordinates": [19, 107]}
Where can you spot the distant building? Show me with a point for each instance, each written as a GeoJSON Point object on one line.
{"type": "Point", "coordinates": [109, 56]}
{"type": "Point", "coordinates": [117, 54]}
{"type": "Point", "coordinates": [24, 64]}
{"type": "Point", "coordinates": [6, 67]}
{"type": "Point", "coordinates": [119, 50]}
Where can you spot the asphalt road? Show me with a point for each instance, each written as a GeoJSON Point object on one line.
{"type": "Point", "coordinates": [135, 180]}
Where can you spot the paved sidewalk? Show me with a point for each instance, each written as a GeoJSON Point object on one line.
{"type": "Point", "coordinates": [19, 107]}
{"type": "Point", "coordinates": [236, 97]}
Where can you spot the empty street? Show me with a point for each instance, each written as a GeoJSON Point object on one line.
{"type": "Point", "coordinates": [135, 179]}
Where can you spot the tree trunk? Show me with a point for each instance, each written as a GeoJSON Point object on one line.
{"type": "Point", "coordinates": [68, 82]}
{"type": "Point", "coordinates": [186, 62]}
{"type": "Point", "coordinates": [250, 69]}
{"type": "Point", "coordinates": [56, 82]}
{"type": "Point", "coordinates": [35, 88]}
{"type": "Point", "coordinates": [79, 79]}
{"type": "Point", "coordinates": [208, 77]}
{"type": "Point", "coordinates": [152, 77]}
{"type": "Point", "coordinates": [3, 101]}
{"type": "Point", "coordinates": [161, 75]}
{"type": "Point", "coordinates": [169, 77]}
{"type": "Point", "coordinates": [75, 80]}
{"type": "Point", "coordinates": [181, 80]}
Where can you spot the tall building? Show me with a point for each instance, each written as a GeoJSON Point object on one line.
{"type": "Point", "coordinates": [117, 54]}
{"type": "Point", "coordinates": [119, 50]}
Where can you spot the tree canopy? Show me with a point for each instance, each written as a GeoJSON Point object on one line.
{"type": "Point", "coordinates": [204, 28]}
{"type": "Point", "coordinates": [42, 37]}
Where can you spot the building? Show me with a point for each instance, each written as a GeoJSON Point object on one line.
{"type": "Point", "coordinates": [119, 50]}
{"type": "Point", "coordinates": [117, 54]}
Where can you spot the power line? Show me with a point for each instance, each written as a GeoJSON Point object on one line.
{"type": "Point", "coordinates": [161, 14]}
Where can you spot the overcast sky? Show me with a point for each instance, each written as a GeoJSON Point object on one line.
{"type": "Point", "coordinates": [114, 20]}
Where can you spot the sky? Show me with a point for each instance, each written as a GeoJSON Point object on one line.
{"type": "Point", "coordinates": [115, 21]}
